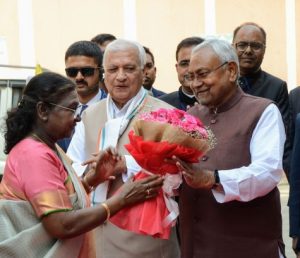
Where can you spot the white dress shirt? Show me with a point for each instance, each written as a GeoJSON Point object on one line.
{"type": "Point", "coordinates": [93, 100]}
{"type": "Point", "coordinates": [77, 153]}
{"type": "Point", "coordinates": [265, 170]}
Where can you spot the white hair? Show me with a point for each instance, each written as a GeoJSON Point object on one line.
{"type": "Point", "coordinates": [123, 44]}
{"type": "Point", "coordinates": [222, 48]}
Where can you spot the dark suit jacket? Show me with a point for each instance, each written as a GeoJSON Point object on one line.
{"type": "Point", "coordinates": [294, 109]}
{"type": "Point", "coordinates": [273, 88]}
{"type": "Point", "coordinates": [294, 198]}
{"type": "Point", "coordinates": [157, 93]}
{"type": "Point", "coordinates": [178, 99]}
{"type": "Point", "coordinates": [294, 98]}
{"type": "Point", "coordinates": [268, 86]}
{"type": "Point", "coordinates": [172, 99]}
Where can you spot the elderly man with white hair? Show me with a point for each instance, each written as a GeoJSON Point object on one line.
{"type": "Point", "coordinates": [229, 202]}
{"type": "Point", "coordinates": [107, 123]}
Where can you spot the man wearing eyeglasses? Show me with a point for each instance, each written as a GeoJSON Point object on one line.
{"type": "Point", "coordinates": [229, 201]}
{"type": "Point", "coordinates": [249, 40]}
{"type": "Point", "coordinates": [184, 97]}
{"type": "Point", "coordinates": [83, 60]}
{"type": "Point", "coordinates": [108, 123]}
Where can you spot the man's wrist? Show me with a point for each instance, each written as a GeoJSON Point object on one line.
{"type": "Point", "coordinates": [217, 177]}
{"type": "Point", "coordinates": [217, 182]}
{"type": "Point", "coordinates": [295, 245]}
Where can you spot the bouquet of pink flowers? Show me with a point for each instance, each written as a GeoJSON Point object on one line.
{"type": "Point", "coordinates": [157, 136]}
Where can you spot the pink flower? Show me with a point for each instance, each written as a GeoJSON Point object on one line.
{"type": "Point", "coordinates": [178, 118]}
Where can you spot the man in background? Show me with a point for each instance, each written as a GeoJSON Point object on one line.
{"type": "Point", "coordinates": [83, 61]}
{"type": "Point", "coordinates": [150, 74]}
{"type": "Point", "coordinates": [249, 41]}
{"type": "Point", "coordinates": [103, 40]}
{"type": "Point", "coordinates": [184, 96]}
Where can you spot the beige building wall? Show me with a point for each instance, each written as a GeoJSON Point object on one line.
{"type": "Point", "coordinates": [270, 15]}
{"type": "Point", "coordinates": [9, 29]}
{"type": "Point", "coordinates": [160, 25]}
{"type": "Point", "coordinates": [59, 23]}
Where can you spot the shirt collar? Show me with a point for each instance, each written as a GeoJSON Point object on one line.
{"type": "Point", "coordinates": [93, 100]}
{"type": "Point", "coordinates": [188, 95]}
{"type": "Point", "coordinates": [121, 112]}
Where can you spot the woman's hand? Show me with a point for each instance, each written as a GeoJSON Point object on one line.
{"type": "Point", "coordinates": [104, 165]}
{"type": "Point", "coordinates": [140, 190]}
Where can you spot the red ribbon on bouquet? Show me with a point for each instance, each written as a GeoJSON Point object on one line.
{"type": "Point", "coordinates": [149, 217]}
{"type": "Point", "coordinates": [156, 136]}
{"type": "Point", "coordinates": [144, 218]}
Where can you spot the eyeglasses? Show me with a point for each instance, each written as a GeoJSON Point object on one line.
{"type": "Point", "coordinates": [66, 108]}
{"type": "Point", "coordinates": [85, 71]}
{"type": "Point", "coordinates": [199, 76]}
{"type": "Point", "coordinates": [243, 45]}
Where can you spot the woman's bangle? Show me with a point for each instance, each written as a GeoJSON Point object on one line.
{"type": "Point", "coordinates": [105, 206]}
{"type": "Point", "coordinates": [90, 188]}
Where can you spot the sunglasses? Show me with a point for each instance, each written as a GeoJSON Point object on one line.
{"type": "Point", "coordinates": [85, 71]}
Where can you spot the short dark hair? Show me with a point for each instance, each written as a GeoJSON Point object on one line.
{"type": "Point", "coordinates": [103, 37]}
{"type": "Point", "coordinates": [188, 42]}
{"type": "Point", "coordinates": [148, 51]}
{"type": "Point", "coordinates": [252, 24]}
{"type": "Point", "coordinates": [86, 48]}
{"type": "Point", "coordinates": [47, 87]}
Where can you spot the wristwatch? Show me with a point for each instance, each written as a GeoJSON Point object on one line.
{"type": "Point", "coordinates": [217, 178]}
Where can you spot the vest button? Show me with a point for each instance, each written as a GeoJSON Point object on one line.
{"type": "Point", "coordinates": [213, 121]}
{"type": "Point", "coordinates": [204, 158]}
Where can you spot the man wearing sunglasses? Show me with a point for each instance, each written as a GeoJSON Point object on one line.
{"type": "Point", "coordinates": [103, 39]}
{"type": "Point", "coordinates": [83, 60]}
{"type": "Point", "coordinates": [249, 41]}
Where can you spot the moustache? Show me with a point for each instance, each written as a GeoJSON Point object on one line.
{"type": "Point", "coordinates": [81, 82]}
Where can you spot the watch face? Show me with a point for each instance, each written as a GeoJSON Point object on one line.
{"type": "Point", "coordinates": [217, 177]}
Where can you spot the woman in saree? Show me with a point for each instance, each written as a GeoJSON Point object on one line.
{"type": "Point", "coordinates": [44, 206]}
